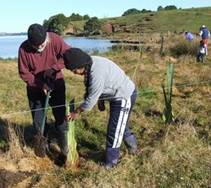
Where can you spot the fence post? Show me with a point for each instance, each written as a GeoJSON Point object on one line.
{"type": "Point", "coordinates": [161, 45]}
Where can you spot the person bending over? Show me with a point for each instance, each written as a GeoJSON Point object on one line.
{"type": "Point", "coordinates": [105, 81]}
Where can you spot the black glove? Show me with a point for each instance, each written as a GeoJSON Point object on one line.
{"type": "Point", "coordinates": [49, 77]}
{"type": "Point", "coordinates": [46, 87]}
{"type": "Point", "coordinates": [101, 105]}
{"type": "Point", "coordinates": [50, 74]}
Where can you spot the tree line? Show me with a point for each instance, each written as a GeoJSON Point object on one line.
{"type": "Point", "coordinates": [59, 23]}
{"type": "Point", "coordinates": [136, 11]}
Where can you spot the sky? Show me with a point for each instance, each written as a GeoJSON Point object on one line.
{"type": "Point", "coordinates": [17, 15]}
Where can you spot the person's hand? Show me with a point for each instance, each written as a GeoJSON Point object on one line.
{"type": "Point", "coordinates": [45, 91]}
{"type": "Point", "coordinates": [50, 74]}
{"type": "Point", "coordinates": [46, 88]}
{"type": "Point", "coordinates": [49, 77]}
{"type": "Point", "coordinates": [72, 116]}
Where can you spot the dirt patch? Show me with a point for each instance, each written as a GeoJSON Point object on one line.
{"type": "Point", "coordinates": [26, 169]}
{"type": "Point", "coordinates": [9, 178]}
{"type": "Point", "coordinates": [19, 166]}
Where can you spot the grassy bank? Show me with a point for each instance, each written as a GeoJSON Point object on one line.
{"type": "Point", "coordinates": [167, 21]}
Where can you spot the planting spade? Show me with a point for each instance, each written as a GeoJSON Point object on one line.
{"type": "Point", "coordinates": [40, 140]}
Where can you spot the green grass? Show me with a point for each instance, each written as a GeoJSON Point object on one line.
{"type": "Point", "coordinates": [184, 20]}
{"type": "Point", "coordinates": [175, 21]}
{"type": "Point", "coordinates": [177, 155]}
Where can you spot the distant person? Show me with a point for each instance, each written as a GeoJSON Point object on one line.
{"type": "Point", "coordinates": [188, 36]}
{"type": "Point", "coordinates": [201, 52]}
{"type": "Point", "coordinates": [104, 80]}
{"type": "Point", "coordinates": [40, 61]}
{"type": "Point", "coordinates": [205, 35]}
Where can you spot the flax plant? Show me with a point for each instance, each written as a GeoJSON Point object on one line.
{"type": "Point", "coordinates": [72, 158]}
{"type": "Point", "coordinates": [167, 92]}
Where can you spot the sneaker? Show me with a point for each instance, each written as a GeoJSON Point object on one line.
{"type": "Point", "coordinates": [132, 150]}
{"type": "Point", "coordinates": [109, 166]}
{"type": "Point", "coordinates": [131, 144]}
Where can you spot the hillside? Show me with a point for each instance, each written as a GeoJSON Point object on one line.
{"type": "Point", "coordinates": [176, 21]}
{"type": "Point", "coordinates": [170, 155]}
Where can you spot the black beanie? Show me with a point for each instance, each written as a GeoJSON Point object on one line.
{"type": "Point", "coordinates": [36, 34]}
{"type": "Point", "coordinates": [75, 58]}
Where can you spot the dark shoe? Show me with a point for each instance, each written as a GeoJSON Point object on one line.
{"type": "Point", "coordinates": [110, 166]}
{"type": "Point", "coordinates": [61, 160]}
{"type": "Point", "coordinates": [111, 158]}
{"type": "Point", "coordinates": [131, 144]}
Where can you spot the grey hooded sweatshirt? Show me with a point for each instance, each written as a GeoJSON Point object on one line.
{"type": "Point", "coordinates": [107, 81]}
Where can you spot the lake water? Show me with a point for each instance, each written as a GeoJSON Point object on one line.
{"type": "Point", "coordinates": [9, 44]}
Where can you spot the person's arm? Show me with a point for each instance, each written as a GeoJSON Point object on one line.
{"type": "Point", "coordinates": [200, 32]}
{"type": "Point", "coordinates": [60, 47]}
{"type": "Point", "coordinates": [95, 90]}
{"type": "Point", "coordinates": [24, 71]}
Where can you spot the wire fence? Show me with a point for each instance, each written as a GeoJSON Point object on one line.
{"type": "Point", "coordinates": [139, 93]}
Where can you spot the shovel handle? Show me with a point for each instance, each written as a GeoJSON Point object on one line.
{"type": "Point", "coordinates": [45, 111]}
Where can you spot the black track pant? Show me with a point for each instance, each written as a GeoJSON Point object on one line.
{"type": "Point", "coordinates": [37, 98]}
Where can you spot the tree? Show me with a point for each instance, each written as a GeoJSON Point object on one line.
{"type": "Point", "coordinates": [170, 7]}
{"type": "Point", "coordinates": [76, 17]}
{"type": "Point", "coordinates": [131, 11]}
{"type": "Point", "coordinates": [86, 17]}
{"type": "Point", "coordinates": [57, 23]}
{"type": "Point", "coordinates": [160, 8]}
{"type": "Point", "coordinates": [92, 25]}
{"type": "Point", "coordinates": [145, 11]}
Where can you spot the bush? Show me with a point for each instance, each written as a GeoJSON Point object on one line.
{"type": "Point", "coordinates": [92, 25]}
{"type": "Point", "coordinates": [56, 23]}
{"type": "Point", "coordinates": [160, 8]}
{"type": "Point", "coordinates": [131, 12]}
{"type": "Point", "coordinates": [170, 7]}
{"type": "Point", "coordinates": [184, 47]}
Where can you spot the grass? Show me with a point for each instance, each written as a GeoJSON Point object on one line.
{"type": "Point", "coordinates": [184, 47]}
{"type": "Point", "coordinates": [167, 21]}
{"type": "Point", "coordinates": [177, 155]}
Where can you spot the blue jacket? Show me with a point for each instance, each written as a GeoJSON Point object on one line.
{"type": "Point", "coordinates": [204, 32]}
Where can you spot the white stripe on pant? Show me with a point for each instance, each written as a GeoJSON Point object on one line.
{"type": "Point", "coordinates": [122, 122]}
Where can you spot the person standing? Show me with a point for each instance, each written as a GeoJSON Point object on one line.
{"type": "Point", "coordinates": [104, 80]}
{"type": "Point", "coordinates": [201, 52]}
{"type": "Point", "coordinates": [205, 35]}
{"type": "Point", "coordinates": [40, 61]}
